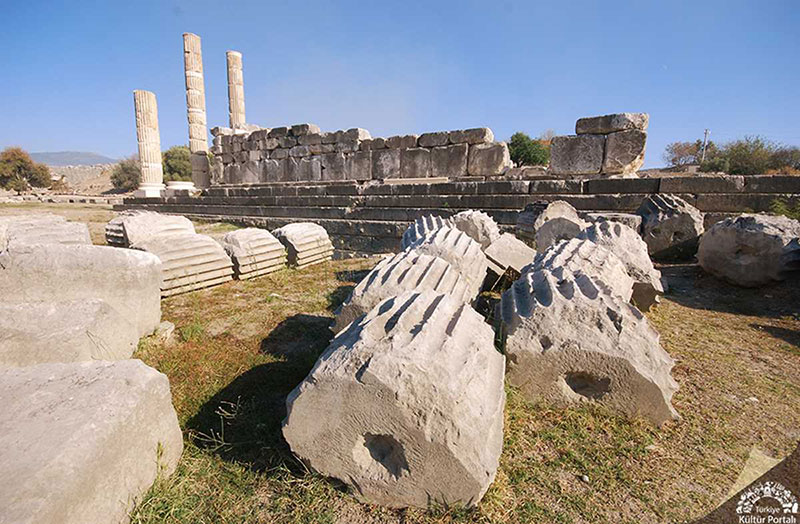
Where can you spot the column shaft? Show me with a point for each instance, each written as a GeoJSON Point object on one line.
{"type": "Point", "coordinates": [235, 90]}
{"type": "Point", "coordinates": [196, 108]}
{"type": "Point", "coordinates": [147, 134]}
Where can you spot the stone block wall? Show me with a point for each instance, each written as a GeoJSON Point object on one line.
{"type": "Point", "coordinates": [611, 145]}
{"type": "Point", "coordinates": [303, 153]}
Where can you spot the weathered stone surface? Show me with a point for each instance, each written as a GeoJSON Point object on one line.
{"type": "Point", "coordinates": [460, 251]}
{"type": "Point", "coordinates": [599, 263]}
{"type": "Point", "coordinates": [508, 252]}
{"type": "Point", "coordinates": [568, 340]}
{"type": "Point", "coordinates": [423, 227]}
{"type": "Point", "coordinates": [126, 280]}
{"type": "Point", "coordinates": [449, 161]}
{"type": "Point", "coordinates": [303, 169]}
{"type": "Point", "coordinates": [306, 243]}
{"type": "Point", "coordinates": [358, 166]}
{"type": "Point", "coordinates": [477, 135]}
{"type": "Point", "coordinates": [304, 129]}
{"type": "Point", "coordinates": [333, 166]}
{"type": "Point", "coordinates": [488, 159]}
{"type": "Point", "coordinates": [558, 221]}
{"type": "Point", "coordinates": [312, 139]}
{"type": "Point", "coordinates": [41, 229]}
{"type": "Point", "coordinates": [405, 406]}
{"type": "Point", "coordinates": [355, 134]}
{"type": "Point", "coordinates": [577, 155]}
{"type": "Point", "coordinates": [478, 225]}
{"type": "Point", "coordinates": [254, 252]}
{"type": "Point", "coordinates": [632, 251]}
{"type": "Point", "coordinates": [405, 271]}
{"type": "Point", "coordinates": [440, 138]}
{"type": "Point", "coordinates": [624, 152]}
{"type": "Point", "coordinates": [415, 163]}
{"type": "Point", "coordinates": [525, 228]}
{"type": "Point", "coordinates": [88, 329]}
{"type": "Point", "coordinates": [131, 227]}
{"type": "Point", "coordinates": [88, 440]}
{"type": "Point", "coordinates": [670, 227]}
{"type": "Point", "coordinates": [273, 170]}
{"type": "Point", "coordinates": [751, 250]}
{"type": "Point", "coordinates": [402, 142]}
{"type": "Point", "coordinates": [188, 261]}
{"type": "Point", "coordinates": [151, 182]}
{"type": "Point", "coordinates": [631, 220]}
{"type": "Point", "coordinates": [385, 164]}
{"type": "Point", "coordinates": [603, 125]}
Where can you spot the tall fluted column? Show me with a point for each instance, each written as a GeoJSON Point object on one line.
{"type": "Point", "coordinates": [235, 90]}
{"type": "Point", "coordinates": [196, 108]}
{"type": "Point", "coordinates": [152, 181]}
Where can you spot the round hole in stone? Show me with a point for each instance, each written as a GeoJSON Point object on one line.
{"type": "Point", "coordinates": [587, 385]}
{"type": "Point", "coordinates": [386, 451]}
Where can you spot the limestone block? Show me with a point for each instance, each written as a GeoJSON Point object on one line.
{"type": "Point", "coordinates": [332, 166]}
{"type": "Point", "coordinates": [41, 229]}
{"type": "Point", "coordinates": [299, 151]}
{"type": "Point", "coordinates": [631, 220]}
{"type": "Point", "coordinates": [478, 225]}
{"type": "Point", "coordinates": [135, 226]}
{"type": "Point", "coordinates": [402, 142]}
{"type": "Point", "coordinates": [568, 340]}
{"type": "Point", "coordinates": [478, 135]}
{"type": "Point", "coordinates": [304, 129]}
{"type": "Point", "coordinates": [310, 139]}
{"type": "Point", "coordinates": [250, 172]}
{"type": "Point", "coordinates": [189, 261]}
{"type": "Point", "coordinates": [624, 152]}
{"type": "Point", "coordinates": [72, 331]}
{"type": "Point", "coordinates": [385, 164]}
{"type": "Point", "coordinates": [331, 137]}
{"type": "Point", "coordinates": [439, 138]}
{"type": "Point", "coordinates": [303, 169]}
{"type": "Point", "coordinates": [406, 406]}
{"type": "Point", "coordinates": [126, 280]}
{"type": "Point", "coordinates": [460, 251]}
{"type": "Point", "coordinates": [231, 174]}
{"type": "Point", "coordinates": [449, 161]}
{"type": "Point", "coordinates": [278, 132]}
{"type": "Point", "coordinates": [508, 252]}
{"type": "Point", "coordinates": [488, 159]}
{"type": "Point", "coordinates": [604, 267]}
{"type": "Point", "coordinates": [626, 244]}
{"type": "Point", "coordinates": [558, 221]}
{"type": "Point", "coordinates": [415, 163]}
{"type": "Point", "coordinates": [603, 125]}
{"type": "Point", "coordinates": [273, 170]}
{"type": "Point", "coordinates": [373, 143]}
{"type": "Point", "coordinates": [524, 228]}
{"type": "Point", "coordinates": [89, 439]}
{"type": "Point", "coordinates": [287, 142]}
{"type": "Point", "coordinates": [346, 146]}
{"type": "Point", "coordinates": [271, 143]}
{"type": "Point", "coordinates": [221, 131]}
{"type": "Point", "coordinates": [671, 227]}
{"type": "Point", "coordinates": [577, 155]}
{"type": "Point", "coordinates": [355, 134]}
{"type": "Point", "coordinates": [405, 271]}
{"type": "Point", "coordinates": [279, 154]}
{"type": "Point", "coordinates": [751, 250]}
{"type": "Point", "coordinates": [358, 166]}
{"type": "Point", "coordinates": [254, 252]}
{"type": "Point", "coordinates": [423, 227]}
{"type": "Point", "coordinates": [306, 243]}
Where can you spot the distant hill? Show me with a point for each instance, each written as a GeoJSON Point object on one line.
{"type": "Point", "coordinates": [71, 158]}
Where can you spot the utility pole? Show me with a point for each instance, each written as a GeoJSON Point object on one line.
{"type": "Point", "coordinates": [705, 143]}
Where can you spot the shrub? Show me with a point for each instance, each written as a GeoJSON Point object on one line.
{"type": "Point", "coordinates": [715, 165]}
{"type": "Point", "coordinates": [18, 171]}
{"type": "Point", "coordinates": [780, 206]}
{"type": "Point", "coordinates": [177, 163]}
{"type": "Point", "coordinates": [749, 156]}
{"type": "Point", "coordinates": [126, 174]}
{"type": "Point", "coordinates": [528, 152]}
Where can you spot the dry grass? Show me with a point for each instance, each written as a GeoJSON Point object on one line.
{"type": "Point", "coordinates": [245, 345]}
{"type": "Point", "coordinates": [94, 215]}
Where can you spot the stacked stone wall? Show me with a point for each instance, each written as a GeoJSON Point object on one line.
{"type": "Point", "coordinates": [303, 153]}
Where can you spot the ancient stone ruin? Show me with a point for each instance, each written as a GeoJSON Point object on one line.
{"type": "Point", "coordinates": [671, 227]}
{"type": "Point", "coordinates": [254, 252]}
{"type": "Point", "coordinates": [306, 243]}
{"type": "Point", "coordinates": [406, 405]}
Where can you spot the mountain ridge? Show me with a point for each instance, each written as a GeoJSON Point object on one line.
{"type": "Point", "coordinates": [71, 158]}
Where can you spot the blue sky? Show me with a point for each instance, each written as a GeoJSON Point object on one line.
{"type": "Point", "coordinates": [69, 69]}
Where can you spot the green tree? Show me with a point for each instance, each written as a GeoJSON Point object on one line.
{"type": "Point", "coordinates": [126, 174]}
{"type": "Point", "coordinates": [528, 152]}
{"type": "Point", "coordinates": [749, 156]}
{"type": "Point", "coordinates": [177, 163]}
{"type": "Point", "coordinates": [18, 171]}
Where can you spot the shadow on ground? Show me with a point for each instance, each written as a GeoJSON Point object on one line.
{"type": "Point", "coordinates": [690, 286]}
{"type": "Point", "coordinates": [242, 422]}
{"type": "Point", "coordinates": [790, 336]}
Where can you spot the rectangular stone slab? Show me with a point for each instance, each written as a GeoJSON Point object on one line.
{"type": "Point", "coordinates": [83, 441]}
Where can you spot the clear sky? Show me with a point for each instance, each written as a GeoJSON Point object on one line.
{"type": "Point", "coordinates": [68, 69]}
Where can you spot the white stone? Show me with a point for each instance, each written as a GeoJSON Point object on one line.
{"type": "Point", "coordinates": [405, 406]}
{"type": "Point", "coordinates": [254, 252]}
{"type": "Point", "coordinates": [568, 340]}
{"type": "Point", "coordinates": [422, 227]}
{"type": "Point", "coordinates": [508, 252]}
{"type": "Point", "coordinates": [478, 225]}
{"type": "Point", "coordinates": [559, 221]}
{"type": "Point", "coordinates": [41, 229]}
{"type": "Point", "coordinates": [406, 271]}
{"type": "Point", "coordinates": [306, 243]}
{"type": "Point", "coordinates": [126, 280]}
{"type": "Point", "coordinates": [131, 227]}
{"type": "Point", "coordinates": [751, 250]}
{"type": "Point", "coordinates": [84, 441]}
{"type": "Point", "coordinates": [671, 227]}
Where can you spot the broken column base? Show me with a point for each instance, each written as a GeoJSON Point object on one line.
{"type": "Point", "coordinates": [149, 191]}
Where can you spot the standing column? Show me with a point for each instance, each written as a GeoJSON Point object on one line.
{"type": "Point", "coordinates": [235, 90]}
{"type": "Point", "coordinates": [196, 108]}
{"type": "Point", "coordinates": [152, 181]}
